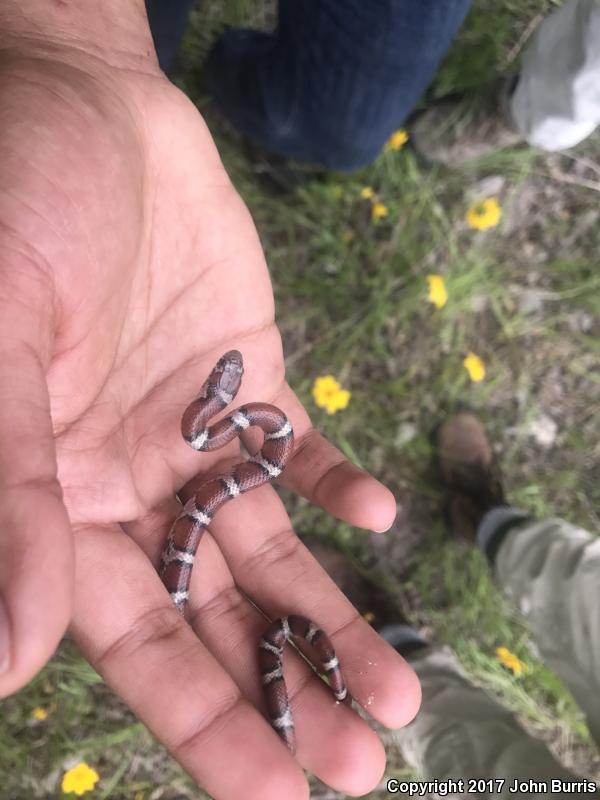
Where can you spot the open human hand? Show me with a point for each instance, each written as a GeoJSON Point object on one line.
{"type": "Point", "coordinates": [128, 264]}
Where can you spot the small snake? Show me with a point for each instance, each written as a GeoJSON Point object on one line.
{"type": "Point", "coordinates": [180, 549]}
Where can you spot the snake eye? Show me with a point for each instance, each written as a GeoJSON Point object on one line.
{"type": "Point", "coordinates": [232, 360]}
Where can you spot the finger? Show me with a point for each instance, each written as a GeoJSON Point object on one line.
{"type": "Point", "coordinates": [333, 742]}
{"type": "Point", "coordinates": [272, 566]}
{"type": "Point", "coordinates": [322, 474]}
{"type": "Point", "coordinates": [126, 626]}
{"type": "Point", "coordinates": [36, 561]}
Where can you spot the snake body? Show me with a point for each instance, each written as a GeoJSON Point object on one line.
{"type": "Point", "coordinates": [179, 552]}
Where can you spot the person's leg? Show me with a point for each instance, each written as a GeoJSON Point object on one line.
{"type": "Point", "coordinates": [551, 571]}
{"type": "Point", "coordinates": [549, 568]}
{"type": "Point", "coordinates": [556, 103]}
{"type": "Point", "coordinates": [167, 19]}
{"type": "Point", "coordinates": [460, 733]}
{"type": "Point", "coordinates": [336, 78]}
{"type": "Point", "coordinates": [463, 734]}
{"type": "Point", "coordinates": [553, 103]}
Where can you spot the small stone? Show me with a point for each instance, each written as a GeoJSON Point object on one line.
{"type": "Point", "coordinates": [543, 430]}
{"type": "Point", "coordinates": [406, 433]}
{"type": "Point", "coordinates": [580, 322]}
{"type": "Point", "coordinates": [479, 303]}
{"type": "Point", "coordinates": [531, 300]}
{"type": "Point", "coordinates": [487, 187]}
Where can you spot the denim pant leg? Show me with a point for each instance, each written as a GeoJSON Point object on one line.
{"type": "Point", "coordinates": [336, 78]}
{"type": "Point", "coordinates": [167, 19]}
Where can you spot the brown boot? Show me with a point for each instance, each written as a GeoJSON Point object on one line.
{"type": "Point", "coordinates": [375, 605]}
{"type": "Point", "coordinates": [468, 471]}
{"type": "Point", "coordinates": [455, 130]}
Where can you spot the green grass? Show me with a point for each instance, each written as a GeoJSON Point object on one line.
{"type": "Point", "coordinates": [356, 306]}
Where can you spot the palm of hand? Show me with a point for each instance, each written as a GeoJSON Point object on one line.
{"type": "Point", "coordinates": [145, 266]}
{"type": "Point", "coordinates": [153, 281]}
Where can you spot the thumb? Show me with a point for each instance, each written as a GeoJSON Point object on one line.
{"type": "Point", "coordinates": [36, 549]}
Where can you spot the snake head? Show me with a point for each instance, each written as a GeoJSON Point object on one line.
{"type": "Point", "coordinates": [228, 372]}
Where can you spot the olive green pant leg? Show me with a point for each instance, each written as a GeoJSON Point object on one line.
{"type": "Point", "coordinates": [551, 572]}
{"type": "Point", "coordinates": [462, 733]}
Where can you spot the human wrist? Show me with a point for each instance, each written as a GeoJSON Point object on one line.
{"type": "Point", "coordinates": [114, 31]}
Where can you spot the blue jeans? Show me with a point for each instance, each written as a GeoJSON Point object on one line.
{"type": "Point", "coordinates": [335, 79]}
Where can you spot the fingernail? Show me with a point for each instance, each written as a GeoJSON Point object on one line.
{"type": "Point", "coordinates": [390, 526]}
{"type": "Point", "coordinates": [4, 638]}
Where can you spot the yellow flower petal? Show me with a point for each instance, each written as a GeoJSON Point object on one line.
{"type": "Point", "coordinates": [324, 386]}
{"type": "Point", "coordinates": [39, 713]}
{"type": "Point", "coordinates": [483, 215]}
{"type": "Point", "coordinates": [437, 291]}
{"type": "Point", "coordinates": [80, 779]}
{"type": "Point", "coordinates": [328, 394]}
{"type": "Point", "coordinates": [475, 367]}
{"type": "Point", "coordinates": [367, 193]}
{"type": "Point", "coordinates": [397, 140]}
{"type": "Point", "coordinates": [339, 401]}
{"type": "Point", "coordinates": [510, 660]}
{"type": "Point", "coordinates": [378, 211]}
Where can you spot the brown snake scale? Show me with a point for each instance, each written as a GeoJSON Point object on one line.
{"type": "Point", "coordinates": [180, 549]}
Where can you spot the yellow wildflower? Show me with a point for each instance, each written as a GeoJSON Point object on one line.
{"type": "Point", "coordinates": [397, 140]}
{"type": "Point", "coordinates": [437, 291]}
{"type": "Point", "coordinates": [39, 713]}
{"type": "Point", "coordinates": [80, 779]}
{"type": "Point", "coordinates": [369, 616]}
{"type": "Point", "coordinates": [378, 211]}
{"type": "Point", "coordinates": [367, 193]}
{"type": "Point", "coordinates": [475, 367]}
{"type": "Point", "coordinates": [485, 214]}
{"type": "Point", "coordinates": [510, 660]}
{"type": "Point", "coordinates": [328, 394]}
